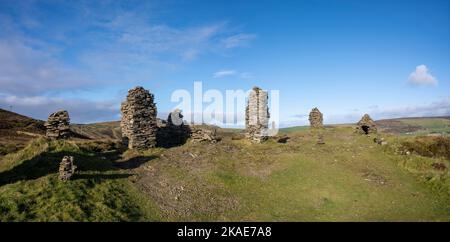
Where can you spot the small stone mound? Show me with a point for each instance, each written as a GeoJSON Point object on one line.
{"type": "Point", "coordinates": [58, 125]}
{"type": "Point", "coordinates": [139, 123]}
{"type": "Point", "coordinates": [316, 118]}
{"type": "Point", "coordinates": [202, 134]}
{"type": "Point", "coordinates": [320, 140]}
{"type": "Point", "coordinates": [366, 125]}
{"type": "Point", "coordinates": [66, 168]}
{"type": "Point", "coordinates": [257, 116]}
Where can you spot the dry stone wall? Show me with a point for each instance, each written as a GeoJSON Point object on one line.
{"type": "Point", "coordinates": [257, 116]}
{"type": "Point", "coordinates": [203, 133]}
{"type": "Point", "coordinates": [366, 125]}
{"type": "Point", "coordinates": [138, 123]}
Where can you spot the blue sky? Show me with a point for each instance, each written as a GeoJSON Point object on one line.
{"type": "Point", "coordinates": [386, 58]}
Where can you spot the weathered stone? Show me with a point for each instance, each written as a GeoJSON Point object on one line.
{"type": "Point", "coordinates": [138, 123]}
{"type": "Point", "coordinates": [366, 125]}
{"type": "Point", "coordinates": [58, 125]}
{"type": "Point", "coordinates": [66, 168]}
{"type": "Point", "coordinates": [316, 118]}
{"type": "Point", "coordinates": [203, 133]}
{"type": "Point", "coordinates": [257, 116]}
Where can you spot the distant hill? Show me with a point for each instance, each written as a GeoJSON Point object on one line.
{"type": "Point", "coordinates": [16, 130]}
{"type": "Point", "coordinates": [416, 126]}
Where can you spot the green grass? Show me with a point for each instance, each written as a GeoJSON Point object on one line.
{"type": "Point", "coordinates": [31, 191]}
{"type": "Point", "coordinates": [429, 125]}
{"type": "Point", "coordinates": [350, 178]}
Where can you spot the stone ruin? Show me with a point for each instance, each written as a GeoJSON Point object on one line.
{"type": "Point", "coordinates": [173, 132]}
{"type": "Point", "coordinates": [138, 123]}
{"type": "Point", "coordinates": [203, 133]}
{"type": "Point", "coordinates": [257, 116]}
{"type": "Point", "coordinates": [366, 125]}
{"type": "Point", "coordinates": [57, 125]}
{"type": "Point", "coordinates": [316, 118]}
{"type": "Point", "coordinates": [66, 168]}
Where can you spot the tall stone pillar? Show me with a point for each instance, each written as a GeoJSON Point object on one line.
{"type": "Point", "coordinates": [257, 115]}
{"type": "Point", "coordinates": [138, 121]}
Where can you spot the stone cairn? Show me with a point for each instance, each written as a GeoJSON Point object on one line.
{"type": "Point", "coordinates": [257, 116]}
{"type": "Point", "coordinates": [138, 123]}
{"type": "Point", "coordinates": [316, 118]}
{"type": "Point", "coordinates": [173, 132]}
{"type": "Point", "coordinates": [320, 140]}
{"type": "Point", "coordinates": [366, 125]}
{"type": "Point", "coordinates": [57, 125]}
{"type": "Point", "coordinates": [66, 168]}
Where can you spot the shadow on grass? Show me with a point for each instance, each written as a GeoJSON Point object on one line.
{"type": "Point", "coordinates": [100, 176]}
{"type": "Point", "coordinates": [48, 163]}
{"type": "Point", "coordinates": [134, 162]}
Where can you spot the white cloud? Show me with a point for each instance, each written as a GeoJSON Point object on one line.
{"type": "Point", "coordinates": [422, 77]}
{"type": "Point", "coordinates": [80, 110]}
{"type": "Point", "coordinates": [223, 73]}
{"type": "Point", "coordinates": [237, 40]}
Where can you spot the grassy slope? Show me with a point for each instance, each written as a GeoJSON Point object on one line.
{"type": "Point", "coordinates": [30, 190]}
{"type": "Point", "coordinates": [347, 179]}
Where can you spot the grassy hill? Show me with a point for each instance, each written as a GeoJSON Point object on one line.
{"type": "Point", "coordinates": [416, 126]}
{"type": "Point", "coordinates": [17, 130]}
{"type": "Point", "coordinates": [350, 178]}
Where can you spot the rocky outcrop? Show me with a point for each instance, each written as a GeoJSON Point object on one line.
{"type": "Point", "coordinates": [257, 116]}
{"type": "Point", "coordinates": [366, 125]}
{"type": "Point", "coordinates": [138, 123]}
{"type": "Point", "coordinates": [58, 125]}
{"type": "Point", "coordinates": [66, 168]}
{"type": "Point", "coordinates": [316, 118]}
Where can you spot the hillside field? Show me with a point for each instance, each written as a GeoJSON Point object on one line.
{"type": "Point", "coordinates": [350, 178]}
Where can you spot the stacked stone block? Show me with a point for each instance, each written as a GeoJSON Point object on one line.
{"type": "Point", "coordinates": [257, 116]}
{"type": "Point", "coordinates": [58, 125]}
{"type": "Point", "coordinates": [316, 118]}
{"type": "Point", "coordinates": [138, 123]}
{"type": "Point", "coordinates": [366, 125]}
{"type": "Point", "coordinates": [66, 168]}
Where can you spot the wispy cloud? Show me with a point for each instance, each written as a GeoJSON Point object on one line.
{"type": "Point", "coordinates": [421, 76]}
{"type": "Point", "coordinates": [228, 72]}
{"type": "Point", "coordinates": [237, 40]}
{"type": "Point", "coordinates": [223, 73]}
{"type": "Point", "coordinates": [41, 58]}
